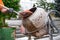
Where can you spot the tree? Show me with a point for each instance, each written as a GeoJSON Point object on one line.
{"type": "Point", "coordinates": [45, 5]}
{"type": "Point", "coordinates": [11, 4]}
{"type": "Point", "coordinates": [5, 32]}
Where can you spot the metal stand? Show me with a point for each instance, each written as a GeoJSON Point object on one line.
{"type": "Point", "coordinates": [29, 36]}
{"type": "Point", "coordinates": [51, 25]}
{"type": "Point", "coordinates": [50, 31]}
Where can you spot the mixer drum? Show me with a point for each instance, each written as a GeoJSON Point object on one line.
{"type": "Point", "coordinates": [36, 21]}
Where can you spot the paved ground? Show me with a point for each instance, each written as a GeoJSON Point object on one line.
{"type": "Point", "coordinates": [26, 38]}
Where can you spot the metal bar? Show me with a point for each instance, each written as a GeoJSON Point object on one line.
{"type": "Point", "coordinates": [50, 32]}
{"type": "Point", "coordinates": [52, 20]}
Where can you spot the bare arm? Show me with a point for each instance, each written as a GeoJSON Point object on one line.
{"type": "Point", "coordinates": [1, 8]}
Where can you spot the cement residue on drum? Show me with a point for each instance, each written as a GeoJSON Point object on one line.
{"type": "Point", "coordinates": [38, 18]}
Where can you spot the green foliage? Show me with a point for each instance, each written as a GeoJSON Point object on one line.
{"type": "Point", "coordinates": [6, 35]}
{"type": "Point", "coordinates": [41, 3]}
{"type": "Point", "coordinates": [45, 5]}
{"type": "Point", "coordinates": [10, 4]}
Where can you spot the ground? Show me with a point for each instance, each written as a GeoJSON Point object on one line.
{"type": "Point", "coordinates": [26, 38]}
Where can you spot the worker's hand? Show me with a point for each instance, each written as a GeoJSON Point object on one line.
{"type": "Point", "coordinates": [3, 10]}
